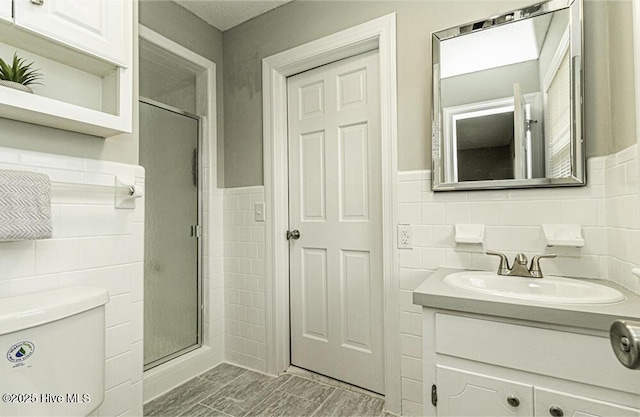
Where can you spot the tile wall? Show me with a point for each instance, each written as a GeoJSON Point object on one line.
{"type": "Point", "coordinates": [607, 209]}
{"type": "Point", "coordinates": [623, 221]}
{"type": "Point", "coordinates": [212, 256]}
{"type": "Point", "coordinates": [244, 293]}
{"type": "Point", "coordinates": [93, 244]}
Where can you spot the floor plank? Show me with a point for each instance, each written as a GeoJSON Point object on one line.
{"type": "Point", "coordinates": [223, 373]}
{"type": "Point", "coordinates": [307, 389]}
{"type": "Point", "coordinates": [347, 404]}
{"type": "Point", "coordinates": [280, 403]}
{"type": "Point", "coordinates": [183, 397]}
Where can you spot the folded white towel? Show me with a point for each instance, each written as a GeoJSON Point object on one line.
{"type": "Point", "coordinates": [25, 206]}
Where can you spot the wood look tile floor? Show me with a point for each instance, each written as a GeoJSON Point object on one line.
{"type": "Point", "coordinates": [231, 391]}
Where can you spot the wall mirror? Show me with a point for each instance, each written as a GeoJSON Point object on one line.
{"type": "Point", "coordinates": [507, 100]}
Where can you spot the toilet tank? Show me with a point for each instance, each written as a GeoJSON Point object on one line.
{"type": "Point", "coordinates": [52, 352]}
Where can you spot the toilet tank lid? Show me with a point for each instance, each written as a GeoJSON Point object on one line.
{"type": "Point", "coordinates": [30, 310]}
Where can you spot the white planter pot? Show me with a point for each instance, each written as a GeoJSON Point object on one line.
{"type": "Point", "coordinates": [16, 86]}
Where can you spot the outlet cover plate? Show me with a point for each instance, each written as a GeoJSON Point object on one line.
{"type": "Point", "coordinates": [404, 236]}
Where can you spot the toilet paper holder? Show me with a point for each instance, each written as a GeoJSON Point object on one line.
{"type": "Point", "coordinates": [625, 341]}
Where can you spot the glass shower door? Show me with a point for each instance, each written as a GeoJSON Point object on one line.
{"type": "Point", "coordinates": [168, 152]}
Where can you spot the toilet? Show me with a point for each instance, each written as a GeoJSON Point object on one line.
{"type": "Point", "coordinates": [52, 352]}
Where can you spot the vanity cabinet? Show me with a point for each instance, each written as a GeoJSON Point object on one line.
{"type": "Point", "coordinates": [96, 27]}
{"type": "Point", "coordinates": [488, 366]}
{"type": "Point", "coordinates": [462, 393]}
{"type": "Point", "coordinates": [84, 50]}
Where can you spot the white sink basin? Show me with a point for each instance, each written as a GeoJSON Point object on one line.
{"type": "Point", "coordinates": [550, 289]}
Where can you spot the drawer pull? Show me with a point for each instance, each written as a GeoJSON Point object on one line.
{"type": "Point", "coordinates": [556, 411]}
{"type": "Point", "coordinates": [513, 401]}
{"type": "Point", "coordinates": [37, 2]}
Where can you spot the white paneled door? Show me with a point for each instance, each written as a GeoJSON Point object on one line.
{"type": "Point", "coordinates": [335, 203]}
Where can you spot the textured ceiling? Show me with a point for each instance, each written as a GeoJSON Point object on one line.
{"type": "Point", "coordinates": [225, 14]}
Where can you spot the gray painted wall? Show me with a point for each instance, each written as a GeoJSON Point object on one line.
{"type": "Point", "coordinates": [188, 30]}
{"type": "Point", "coordinates": [623, 121]}
{"type": "Point", "coordinates": [606, 55]}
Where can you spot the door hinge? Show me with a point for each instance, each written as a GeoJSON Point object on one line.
{"type": "Point", "coordinates": [434, 395]}
{"type": "Point", "coordinates": [196, 231]}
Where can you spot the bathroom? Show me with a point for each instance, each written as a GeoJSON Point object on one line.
{"type": "Point", "coordinates": [244, 321]}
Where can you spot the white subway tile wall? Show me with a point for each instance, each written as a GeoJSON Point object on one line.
{"type": "Point", "coordinates": [608, 210]}
{"type": "Point", "coordinates": [93, 244]}
{"type": "Point", "coordinates": [244, 294]}
{"type": "Point", "coordinates": [212, 256]}
{"type": "Point", "coordinates": [622, 207]}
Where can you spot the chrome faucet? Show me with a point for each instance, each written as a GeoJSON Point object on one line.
{"type": "Point", "coordinates": [519, 268]}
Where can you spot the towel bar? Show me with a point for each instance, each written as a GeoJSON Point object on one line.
{"type": "Point", "coordinates": [125, 193]}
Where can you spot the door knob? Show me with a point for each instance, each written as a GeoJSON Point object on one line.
{"type": "Point", "coordinates": [625, 341]}
{"type": "Point", "coordinates": [293, 234]}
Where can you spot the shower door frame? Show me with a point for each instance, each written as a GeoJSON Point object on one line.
{"type": "Point", "coordinates": [199, 232]}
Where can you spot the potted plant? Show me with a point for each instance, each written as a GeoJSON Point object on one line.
{"type": "Point", "coordinates": [19, 75]}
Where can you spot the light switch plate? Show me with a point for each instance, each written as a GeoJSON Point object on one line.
{"type": "Point", "coordinates": [259, 211]}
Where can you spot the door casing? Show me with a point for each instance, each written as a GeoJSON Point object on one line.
{"type": "Point", "coordinates": [378, 34]}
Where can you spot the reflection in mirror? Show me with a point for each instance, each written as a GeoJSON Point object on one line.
{"type": "Point", "coordinates": [507, 108]}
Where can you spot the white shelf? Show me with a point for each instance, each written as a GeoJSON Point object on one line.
{"type": "Point", "coordinates": [44, 111]}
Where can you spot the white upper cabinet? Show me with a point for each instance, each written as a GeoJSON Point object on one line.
{"type": "Point", "coordinates": [5, 10]}
{"type": "Point", "coordinates": [98, 27]}
{"type": "Point", "coordinates": [83, 49]}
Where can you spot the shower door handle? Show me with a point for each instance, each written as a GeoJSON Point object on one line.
{"type": "Point", "coordinates": [194, 167]}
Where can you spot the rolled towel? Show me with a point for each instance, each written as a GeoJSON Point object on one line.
{"type": "Point", "coordinates": [25, 206]}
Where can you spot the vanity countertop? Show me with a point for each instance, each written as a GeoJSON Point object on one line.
{"type": "Point", "coordinates": [434, 293]}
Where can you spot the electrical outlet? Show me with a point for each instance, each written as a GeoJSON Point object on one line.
{"type": "Point", "coordinates": [404, 236]}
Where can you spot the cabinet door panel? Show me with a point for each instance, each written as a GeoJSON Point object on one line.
{"type": "Point", "coordinates": [5, 10]}
{"type": "Point", "coordinates": [574, 406]}
{"type": "Point", "coordinates": [462, 393]}
{"type": "Point", "coordinates": [99, 27]}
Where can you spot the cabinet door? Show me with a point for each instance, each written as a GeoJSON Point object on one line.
{"type": "Point", "coordinates": [553, 403]}
{"type": "Point", "coordinates": [462, 393]}
{"type": "Point", "coordinates": [5, 10]}
{"type": "Point", "coordinates": [98, 27]}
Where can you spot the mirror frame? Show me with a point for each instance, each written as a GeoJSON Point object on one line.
{"type": "Point", "coordinates": [578, 154]}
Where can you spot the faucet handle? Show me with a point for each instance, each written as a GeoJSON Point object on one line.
{"type": "Point", "coordinates": [521, 259]}
{"type": "Point", "coordinates": [503, 267]}
{"type": "Point", "coordinates": [535, 270]}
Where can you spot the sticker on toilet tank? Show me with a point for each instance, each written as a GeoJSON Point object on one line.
{"type": "Point", "coordinates": [20, 352]}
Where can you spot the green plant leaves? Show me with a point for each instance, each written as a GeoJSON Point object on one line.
{"type": "Point", "coordinates": [19, 71]}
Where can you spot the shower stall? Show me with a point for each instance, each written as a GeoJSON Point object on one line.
{"type": "Point", "coordinates": [183, 260]}
{"type": "Point", "coordinates": [169, 142]}
{"type": "Point", "coordinates": [171, 120]}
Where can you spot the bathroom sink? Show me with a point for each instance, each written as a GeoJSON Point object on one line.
{"type": "Point", "coordinates": [550, 289]}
